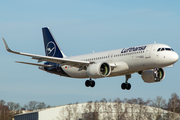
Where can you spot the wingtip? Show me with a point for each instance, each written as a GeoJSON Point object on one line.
{"type": "Point", "coordinates": [4, 40]}
{"type": "Point", "coordinates": [7, 48]}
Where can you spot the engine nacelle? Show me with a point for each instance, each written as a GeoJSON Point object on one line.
{"type": "Point", "coordinates": [153, 75]}
{"type": "Point", "coordinates": [98, 70]}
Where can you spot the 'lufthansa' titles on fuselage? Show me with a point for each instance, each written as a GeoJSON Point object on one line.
{"type": "Point", "coordinates": [133, 49]}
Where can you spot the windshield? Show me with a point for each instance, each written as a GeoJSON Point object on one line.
{"type": "Point", "coordinates": [164, 49]}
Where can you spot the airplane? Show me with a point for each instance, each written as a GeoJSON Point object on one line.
{"type": "Point", "coordinates": [147, 60]}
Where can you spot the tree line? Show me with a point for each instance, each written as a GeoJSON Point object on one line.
{"type": "Point", "coordinates": [137, 108]}
{"type": "Point", "coordinates": [10, 109]}
{"type": "Point", "coordinates": [126, 109]}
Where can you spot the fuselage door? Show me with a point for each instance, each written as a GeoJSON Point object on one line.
{"type": "Point", "coordinates": [110, 56]}
{"type": "Point", "coordinates": [148, 51]}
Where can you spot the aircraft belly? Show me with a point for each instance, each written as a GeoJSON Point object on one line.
{"type": "Point", "coordinates": [56, 70]}
{"type": "Point", "coordinates": [73, 72]}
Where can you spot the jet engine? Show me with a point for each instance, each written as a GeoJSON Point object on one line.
{"type": "Point", "coordinates": [153, 75]}
{"type": "Point", "coordinates": [98, 70]}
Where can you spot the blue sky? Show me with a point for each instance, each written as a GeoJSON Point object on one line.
{"type": "Point", "coordinates": [81, 27]}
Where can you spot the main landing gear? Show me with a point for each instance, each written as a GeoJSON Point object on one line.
{"type": "Point", "coordinates": [126, 85]}
{"type": "Point", "coordinates": [90, 83]}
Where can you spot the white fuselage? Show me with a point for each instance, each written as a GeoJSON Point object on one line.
{"type": "Point", "coordinates": [127, 61]}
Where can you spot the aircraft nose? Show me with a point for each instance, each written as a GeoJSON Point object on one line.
{"type": "Point", "coordinates": [174, 57]}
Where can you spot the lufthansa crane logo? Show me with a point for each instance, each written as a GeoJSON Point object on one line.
{"type": "Point", "coordinates": [50, 49]}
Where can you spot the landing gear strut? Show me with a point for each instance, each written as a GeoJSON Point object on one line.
{"type": "Point", "coordinates": [90, 83]}
{"type": "Point", "coordinates": [126, 85]}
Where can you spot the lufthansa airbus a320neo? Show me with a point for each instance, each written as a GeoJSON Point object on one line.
{"type": "Point", "coordinates": [147, 60]}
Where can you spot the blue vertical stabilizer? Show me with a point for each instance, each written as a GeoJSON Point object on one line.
{"type": "Point", "coordinates": [51, 47]}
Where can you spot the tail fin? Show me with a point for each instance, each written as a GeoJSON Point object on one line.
{"type": "Point", "coordinates": [51, 47]}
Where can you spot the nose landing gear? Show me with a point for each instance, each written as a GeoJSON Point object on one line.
{"type": "Point", "coordinates": [126, 85]}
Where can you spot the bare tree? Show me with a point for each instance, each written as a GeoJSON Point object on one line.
{"type": "Point", "coordinates": [2, 102]}
{"type": "Point", "coordinates": [137, 108]}
{"type": "Point", "coordinates": [103, 107]}
{"type": "Point", "coordinates": [35, 105]}
{"type": "Point", "coordinates": [32, 105]}
{"type": "Point", "coordinates": [158, 104]}
{"type": "Point", "coordinates": [109, 109]}
{"type": "Point", "coordinates": [132, 107]}
{"type": "Point", "coordinates": [66, 113]}
{"type": "Point", "coordinates": [13, 106]}
{"type": "Point", "coordinates": [4, 112]}
{"type": "Point", "coordinates": [142, 106]}
{"type": "Point", "coordinates": [41, 105]}
{"type": "Point", "coordinates": [173, 107]}
{"type": "Point", "coordinates": [15, 109]}
{"type": "Point", "coordinates": [88, 111]}
{"type": "Point", "coordinates": [96, 110]}
{"type": "Point", "coordinates": [69, 111]}
{"type": "Point", "coordinates": [75, 111]}
{"type": "Point", "coordinates": [121, 110]}
{"type": "Point", "coordinates": [61, 114]}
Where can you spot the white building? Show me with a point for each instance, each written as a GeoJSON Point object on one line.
{"type": "Point", "coordinates": [98, 111]}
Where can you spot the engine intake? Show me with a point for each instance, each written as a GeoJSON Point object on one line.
{"type": "Point", "coordinates": [98, 70]}
{"type": "Point", "coordinates": [153, 75]}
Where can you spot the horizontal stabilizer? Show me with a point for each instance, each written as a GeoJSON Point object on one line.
{"type": "Point", "coordinates": [42, 65]}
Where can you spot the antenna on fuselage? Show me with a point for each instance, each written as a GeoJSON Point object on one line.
{"type": "Point", "coordinates": [154, 42]}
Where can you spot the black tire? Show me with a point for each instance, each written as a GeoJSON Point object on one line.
{"type": "Point", "coordinates": [128, 86]}
{"type": "Point", "coordinates": [87, 83]}
{"type": "Point", "coordinates": [123, 86]}
{"type": "Point", "coordinates": [92, 83]}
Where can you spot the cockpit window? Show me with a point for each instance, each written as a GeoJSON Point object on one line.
{"type": "Point", "coordinates": [168, 49]}
{"type": "Point", "coordinates": [165, 49]}
{"type": "Point", "coordinates": [159, 49]}
{"type": "Point", "coordinates": [162, 49]}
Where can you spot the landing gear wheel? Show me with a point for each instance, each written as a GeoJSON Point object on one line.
{"type": "Point", "coordinates": [123, 86]}
{"type": "Point", "coordinates": [87, 83]}
{"type": "Point", "coordinates": [126, 86]}
{"type": "Point", "coordinates": [90, 83]}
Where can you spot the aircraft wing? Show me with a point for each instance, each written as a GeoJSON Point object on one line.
{"type": "Point", "coordinates": [62, 61]}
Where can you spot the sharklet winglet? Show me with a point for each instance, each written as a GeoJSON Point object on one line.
{"type": "Point", "coordinates": [8, 49]}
